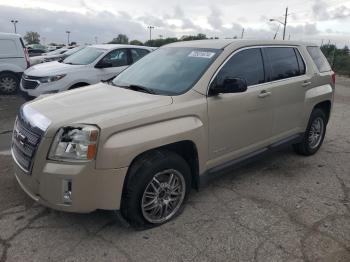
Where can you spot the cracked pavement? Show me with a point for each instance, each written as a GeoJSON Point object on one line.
{"type": "Point", "coordinates": [283, 207]}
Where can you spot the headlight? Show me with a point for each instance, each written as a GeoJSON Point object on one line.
{"type": "Point", "coordinates": [48, 79]}
{"type": "Point", "coordinates": [78, 143]}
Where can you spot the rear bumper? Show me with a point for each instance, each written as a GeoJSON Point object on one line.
{"type": "Point", "coordinates": [91, 189]}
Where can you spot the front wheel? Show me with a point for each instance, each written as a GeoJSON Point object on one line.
{"type": "Point", "coordinates": [314, 134]}
{"type": "Point", "coordinates": [157, 187]}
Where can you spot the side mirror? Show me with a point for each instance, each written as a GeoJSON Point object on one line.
{"type": "Point", "coordinates": [103, 64]}
{"type": "Point", "coordinates": [229, 85]}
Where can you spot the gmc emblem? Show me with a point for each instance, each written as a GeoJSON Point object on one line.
{"type": "Point", "coordinates": [19, 137]}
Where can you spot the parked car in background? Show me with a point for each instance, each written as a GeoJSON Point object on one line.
{"type": "Point", "coordinates": [40, 59]}
{"type": "Point", "coordinates": [35, 52]}
{"type": "Point", "coordinates": [37, 46]}
{"type": "Point", "coordinates": [13, 61]}
{"type": "Point", "coordinates": [54, 56]}
{"type": "Point", "coordinates": [175, 119]}
{"type": "Point", "coordinates": [88, 66]}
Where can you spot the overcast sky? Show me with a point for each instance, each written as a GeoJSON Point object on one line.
{"type": "Point", "coordinates": [311, 20]}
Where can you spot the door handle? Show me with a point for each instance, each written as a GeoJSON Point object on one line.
{"type": "Point", "coordinates": [264, 93]}
{"type": "Point", "coordinates": [306, 83]}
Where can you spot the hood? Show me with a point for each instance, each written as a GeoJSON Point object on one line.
{"type": "Point", "coordinates": [50, 68]}
{"type": "Point", "coordinates": [95, 104]}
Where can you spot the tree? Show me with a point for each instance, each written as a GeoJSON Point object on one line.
{"type": "Point", "coordinates": [194, 37]}
{"type": "Point", "coordinates": [160, 41]}
{"type": "Point", "coordinates": [135, 42]}
{"type": "Point", "coordinates": [32, 38]}
{"type": "Point", "coordinates": [120, 39]}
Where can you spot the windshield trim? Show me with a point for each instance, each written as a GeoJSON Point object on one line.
{"type": "Point", "coordinates": [167, 93]}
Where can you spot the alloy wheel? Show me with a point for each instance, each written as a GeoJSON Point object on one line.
{"type": "Point", "coordinates": [7, 84]}
{"type": "Point", "coordinates": [163, 196]}
{"type": "Point", "coordinates": [316, 132]}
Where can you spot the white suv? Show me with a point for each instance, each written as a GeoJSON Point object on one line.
{"type": "Point", "coordinates": [13, 61]}
{"type": "Point", "coordinates": [88, 66]}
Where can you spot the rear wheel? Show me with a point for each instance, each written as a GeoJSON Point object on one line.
{"type": "Point", "coordinates": [314, 134]}
{"type": "Point", "coordinates": [157, 187]}
{"type": "Point", "coordinates": [9, 83]}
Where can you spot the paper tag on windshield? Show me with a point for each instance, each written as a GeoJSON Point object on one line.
{"type": "Point", "coordinates": [201, 54]}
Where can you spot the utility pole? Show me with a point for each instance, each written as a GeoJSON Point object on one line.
{"type": "Point", "coordinates": [282, 23]}
{"type": "Point", "coordinates": [14, 22]}
{"type": "Point", "coordinates": [285, 23]}
{"type": "Point", "coordinates": [242, 33]}
{"type": "Point", "coordinates": [96, 39]}
{"type": "Point", "coordinates": [68, 32]}
{"type": "Point", "coordinates": [150, 31]}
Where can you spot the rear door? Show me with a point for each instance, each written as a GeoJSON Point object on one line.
{"type": "Point", "coordinates": [287, 78]}
{"type": "Point", "coordinates": [240, 123]}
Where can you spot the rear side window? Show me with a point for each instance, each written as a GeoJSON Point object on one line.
{"type": "Point", "coordinates": [283, 62]}
{"type": "Point", "coordinates": [8, 48]}
{"type": "Point", "coordinates": [319, 59]}
{"type": "Point", "coordinates": [246, 64]}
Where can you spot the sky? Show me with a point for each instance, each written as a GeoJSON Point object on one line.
{"type": "Point", "coordinates": [102, 20]}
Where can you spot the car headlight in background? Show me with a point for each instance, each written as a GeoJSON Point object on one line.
{"type": "Point", "coordinates": [75, 143]}
{"type": "Point", "coordinates": [48, 79]}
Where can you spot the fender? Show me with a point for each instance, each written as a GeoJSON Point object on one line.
{"type": "Point", "coordinates": [121, 148]}
{"type": "Point", "coordinates": [314, 96]}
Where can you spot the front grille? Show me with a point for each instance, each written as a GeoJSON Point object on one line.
{"type": "Point", "coordinates": [25, 141]}
{"type": "Point", "coordinates": [29, 84]}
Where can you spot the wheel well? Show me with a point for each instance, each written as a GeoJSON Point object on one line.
{"type": "Point", "coordinates": [325, 106]}
{"type": "Point", "coordinates": [80, 84]}
{"type": "Point", "coordinates": [9, 72]}
{"type": "Point", "coordinates": [187, 150]}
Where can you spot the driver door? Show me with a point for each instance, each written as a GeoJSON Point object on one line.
{"type": "Point", "coordinates": [240, 123]}
{"type": "Point", "coordinates": [114, 63]}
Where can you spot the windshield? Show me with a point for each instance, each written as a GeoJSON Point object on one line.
{"type": "Point", "coordinates": [85, 56]}
{"type": "Point", "coordinates": [168, 70]}
{"type": "Point", "coordinates": [73, 50]}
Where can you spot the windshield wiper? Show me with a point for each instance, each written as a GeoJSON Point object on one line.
{"type": "Point", "coordinates": [138, 88]}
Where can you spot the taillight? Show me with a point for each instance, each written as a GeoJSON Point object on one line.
{"type": "Point", "coordinates": [27, 57]}
{"type": "Point", "coordinates": [333, 78]}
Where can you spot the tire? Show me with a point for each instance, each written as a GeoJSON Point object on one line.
{"type": "Point", "coordinates": [9, 83]}
{"type": "Point", "coordinates": [310, 143]}
{"type": "Point", "coordinates": [140, 197]}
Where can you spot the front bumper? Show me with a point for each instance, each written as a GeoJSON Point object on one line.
{"type": "Point", "coordinates": [45, 88]}
{"type": "Point", "coordinates": [91, 188]}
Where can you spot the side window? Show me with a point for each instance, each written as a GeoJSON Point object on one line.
{"type": "Point", "coordinates": [118, 57]}
{"type": "Point", "coordinates": [283, 62]}
{"type": "Point", "coordinates": [137, 54]}
{"type": "Point", "coordinates": [246, 64]}
{"type": "Point", "coordinates": [319, 59]}
{"type": "Point", "coordinates": [302, 67]}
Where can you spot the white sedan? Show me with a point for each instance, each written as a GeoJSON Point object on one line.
{"type": "Point", "coordinates": [88, 66]}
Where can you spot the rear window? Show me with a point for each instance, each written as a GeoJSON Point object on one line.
{"type": "Point", "coordinates": [283, 62]}
{"type": "Point", "coordinates": [319, 59]}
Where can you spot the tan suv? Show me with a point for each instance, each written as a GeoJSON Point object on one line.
{"type": "Point", "coordinates": [168, 123]}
